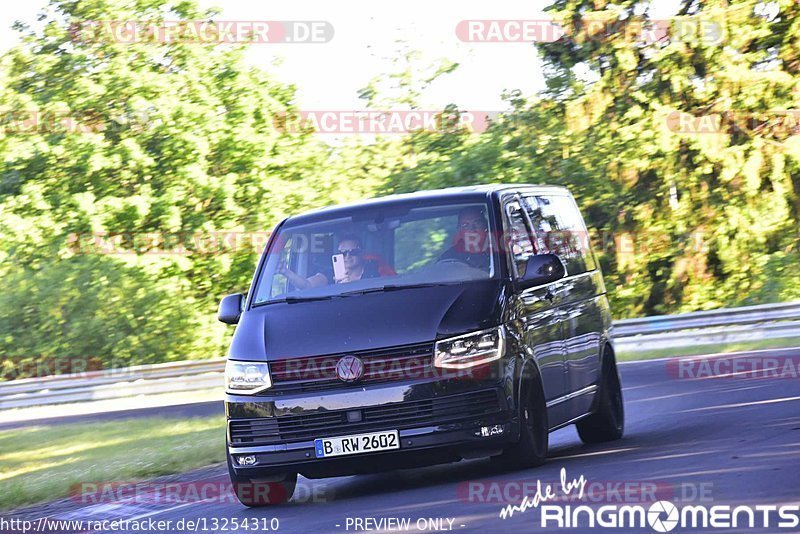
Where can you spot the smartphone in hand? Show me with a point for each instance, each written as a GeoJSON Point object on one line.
{"type": "Point", "coordinates": [339, 271]}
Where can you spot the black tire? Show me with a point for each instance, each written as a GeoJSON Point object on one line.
{"type": "Point", "coordinates": [607, 423]}
{"type": "Point", "coordinates": [256, 493]}
{"type": "Point", "coordinates": [534, 432]}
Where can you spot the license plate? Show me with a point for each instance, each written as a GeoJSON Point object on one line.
{"type": "Point", "coordinates": [357, 444]}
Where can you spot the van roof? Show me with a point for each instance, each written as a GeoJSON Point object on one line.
{"type": "Point", "coordinates": [474, 192]}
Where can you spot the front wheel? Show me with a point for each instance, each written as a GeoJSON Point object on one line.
{"type": "Point", "coordinates": [531, 449]}
{"type": "Point", "coordinates": [607, 423]}
{"type": "Point", "coordinates": [257, 492]}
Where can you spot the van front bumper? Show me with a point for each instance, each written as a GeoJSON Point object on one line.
{"type": "Point", "coordinates": [437, 422]}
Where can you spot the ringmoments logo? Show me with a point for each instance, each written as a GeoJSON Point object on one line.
{"type": "Point", "coordinates": [660, 516]}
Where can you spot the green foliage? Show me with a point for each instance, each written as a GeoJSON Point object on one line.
{"type": "Point", "coordinates": [734, 192]}
{"type": "Point", "coordinates": [683, 220]}
{"type": "Point", "coordinates": [170, 139]}
{"type": "Point", "coordinates": [182, 139]}
{"type": "Point", "coordinates": [92, 309]}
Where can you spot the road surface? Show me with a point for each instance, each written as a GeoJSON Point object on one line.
{"type": "Point", "coordinates": [690, 439]}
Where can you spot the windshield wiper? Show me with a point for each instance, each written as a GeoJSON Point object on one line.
{"type": "Point", "coordinates": [393, 287]}
{"type": "Point", "coordinates": [292, 300]}
{"type": "Point", "coordinates": [378, 289]}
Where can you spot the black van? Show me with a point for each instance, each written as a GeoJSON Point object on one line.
{"type": "Point", "coordinates": [418, 329]}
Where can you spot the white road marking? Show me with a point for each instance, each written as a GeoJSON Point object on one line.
{"type": "Point", "coordinates": [703, 356]}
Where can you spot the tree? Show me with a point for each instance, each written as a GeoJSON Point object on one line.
{"type": "Point", "coordinates": [684, 218]}
{"type": "Point", "coordinates": [130, 140]}
{"type": "Point", "coordinates": [725, 200]}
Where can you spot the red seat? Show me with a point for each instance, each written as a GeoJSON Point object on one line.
{"type": "Point", "coordinates": [384, 269]}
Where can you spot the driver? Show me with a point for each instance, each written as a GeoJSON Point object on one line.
{"type": "Point", "coordinates": [471, 240]}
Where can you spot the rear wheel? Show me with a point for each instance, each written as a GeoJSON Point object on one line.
{"type": "Point", "coordinates": [607, 423]}
{"type": "Point", "coordinates": [531, 449]}
{"type": "Point", "coordinates": [257, 492]}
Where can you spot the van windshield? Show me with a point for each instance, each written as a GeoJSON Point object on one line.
{"type": "Point", "coordinates": [379, 248]}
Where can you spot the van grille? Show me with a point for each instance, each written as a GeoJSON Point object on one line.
{"type": "Point", "coordinates": [300, 375]}
{"type": "Point", "coordinates": [399, 415]}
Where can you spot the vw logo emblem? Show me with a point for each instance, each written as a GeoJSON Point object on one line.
{"type": "Point", "coordinates": [349, 369]}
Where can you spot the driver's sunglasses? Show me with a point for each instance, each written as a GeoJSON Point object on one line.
{"type": "Point", "coordinates": [351, 252]}
{"type": "Point", "coordinates": [474, 225]}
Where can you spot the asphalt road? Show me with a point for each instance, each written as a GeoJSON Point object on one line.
{"type": "Point", "coordinates": [689, 439]}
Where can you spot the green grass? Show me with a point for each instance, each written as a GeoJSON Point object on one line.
{"type": "Point", "coordinates": [41, 463]}
{"type": "Point", "coordinates": [696, 350]}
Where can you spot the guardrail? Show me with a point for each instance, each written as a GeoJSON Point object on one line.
{"type": "Point", "coordinates": [171, 377]}
{"type": "Point", "coordinates": [732, 324]}
{"type": "Point", "coordinates": [723, 317]}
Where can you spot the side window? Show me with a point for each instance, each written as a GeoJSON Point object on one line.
{"type": "Point", "coordinates": [520, 247]}
{"type": "Point", "coordinates": [305, 255]}
{"type": "Point", "coordinates": [558, 229]}
{"type": "Point", "coordinates": [280, 284]}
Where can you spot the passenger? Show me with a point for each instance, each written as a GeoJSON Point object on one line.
{"type": "Point", "coordinates": [301, 282]}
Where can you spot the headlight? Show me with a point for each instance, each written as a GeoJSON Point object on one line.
{"type": "Point", "coordinates": [246, 378]}
{"type": "Point", "coordinates": [470, 349]}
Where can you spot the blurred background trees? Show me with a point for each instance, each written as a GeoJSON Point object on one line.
{"type": "Point", "coordinates": [179, 139]}
{"type": "Point", "coordinates": [183, 139]}
{"type": "Point", "coordinates": [675, 138]}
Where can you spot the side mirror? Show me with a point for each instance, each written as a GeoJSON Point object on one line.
{"type": "Point", "coordinates": [230, 308]}
{"type": "Point", "coordinates": [543, 269]}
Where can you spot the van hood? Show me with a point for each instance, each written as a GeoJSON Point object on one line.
{"type": "Point", "coordinates": [361, 322]}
